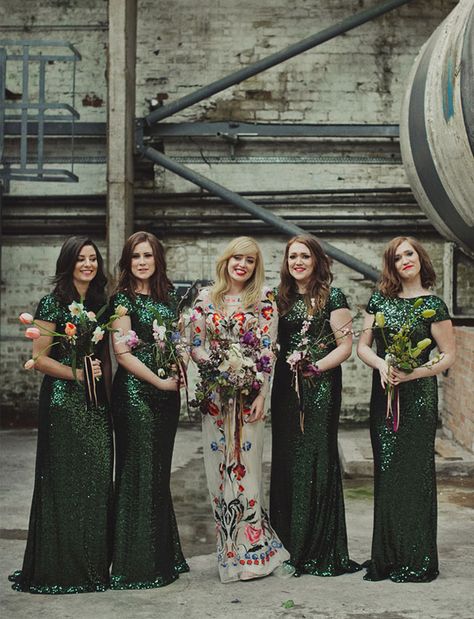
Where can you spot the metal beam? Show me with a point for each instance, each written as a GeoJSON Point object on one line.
{"type": "Point", "coordinates": [274, 59]}
{"type": "Point", "coordinates": [273, 130]}
{"type": "Point", "coordinates": [276, 222]}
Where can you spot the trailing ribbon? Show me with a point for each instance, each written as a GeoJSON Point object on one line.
{"type": "Point", "coordinates": [298, 387]}
{"type": "Point", "coordinates": [393, 407]}
{"type": "Point", "coordinates": [90, 383]}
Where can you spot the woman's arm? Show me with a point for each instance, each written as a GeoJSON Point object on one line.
{"type": "Point", "coordinates": [365, 352]}
{"type": "Point", "coordinates": [44, 363]}
{"type": "Point", "coordinates": [107, 369]}
{"type": "Point", "coordinates": [443, 335]}
{"type": "Point", "coordinates": [341, 325]}
{"type": "Point", "coordinates": [133, 365]}
{"type": "Point", "coordinates": [268, 324]}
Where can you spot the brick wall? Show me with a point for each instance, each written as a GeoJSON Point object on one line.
{"type": "Point", "coordinates": [457, 411]}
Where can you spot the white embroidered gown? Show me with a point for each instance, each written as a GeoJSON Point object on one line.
{"type": "Point", "coordinates": [247, 546]}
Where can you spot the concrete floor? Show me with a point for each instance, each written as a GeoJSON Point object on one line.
{"type": "Point", "coordinates": [200, 593]}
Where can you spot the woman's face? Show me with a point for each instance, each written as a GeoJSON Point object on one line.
{"type": "Point", "coordinates": [407, 261]}
{"type": "Point", "coordinates": [143, 261]}
{"type": "Point", "coordinates": [241, 267]}
{"type": "Point", "coordinates": [300, 263]}
{"type": "Point", "coordinates": [86, 266]}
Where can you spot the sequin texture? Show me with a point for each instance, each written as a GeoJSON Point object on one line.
{"type": "Point", "coordinates": [306, 498]}
{"type": "Point", "coordinates": [405, 508]}
{"type": "Point", "coordinates": [146, 551]}
{"type": "Point", "coordinates": [68, 549]}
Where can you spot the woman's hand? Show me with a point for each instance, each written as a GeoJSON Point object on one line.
{"type": "Point", "coordinates": [399, 376]}
{"type": "Point", "coordinates": [257, 409]}
{"type": "Point", "coordinates": [96, 369]}
{"type": "Point", "coordinates": [169, 384]}
{"type": "Point", "coordinates": [382, 367]}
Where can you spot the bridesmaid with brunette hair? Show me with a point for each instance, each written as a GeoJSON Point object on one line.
{"type": "Point", "coordinates": [68, 547]}
{"type": "Point", "coordinates": [405, 511]}
{"type": "Point", "coordinates": [306, 498]}
{"type": "Point", "coordinates": [146, 551]}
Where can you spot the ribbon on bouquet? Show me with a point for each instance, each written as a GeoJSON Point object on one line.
{"type": "Point", "coordinates": [392, 414]}
{"type": "Point", "coordinates": [92, 396]}
{"type": "Point", "coordinates": [298, 387]}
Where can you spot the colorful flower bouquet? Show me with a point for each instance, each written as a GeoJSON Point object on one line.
{"type": "Point", "coordinates": [237, 363]}
{"type": "Point", "coordinates": [402, 354]}
{"type": "Point", "coordinates": [81, 335]}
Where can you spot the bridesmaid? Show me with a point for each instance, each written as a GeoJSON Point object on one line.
{"type": "Point", "coordinates": [146, 551]}
{"type": "Point", "coordinates": [404, 536]}
{"type": "Point", "coordinates": [68, 538]}
{"type": "Point", "coordinates": [306, 497]}
{"type": "Point", "coordinates": [247, 546]}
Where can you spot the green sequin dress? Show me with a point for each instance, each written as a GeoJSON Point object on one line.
{"type": "Point", "coordinates": [306, 496]}
{"type": "Point", "coordinates": [146, 551]}
{"type": "Point", "coordinates": [405, 509]}
{"type": "Point", "coordinates": [68, 547]}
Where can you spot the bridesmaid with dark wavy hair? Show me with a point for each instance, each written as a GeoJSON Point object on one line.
{"type": "Point", "coordinates": [146, 551]}
{"type": "Point", "coordinates": [405, 510]}
{"type": "Point", "coordinates": [68, 548]}
{"type": "Point", "coordinates": [306, 498]}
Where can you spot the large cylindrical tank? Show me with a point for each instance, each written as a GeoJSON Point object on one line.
{"type": "Point", "coordinates": [437, 127]}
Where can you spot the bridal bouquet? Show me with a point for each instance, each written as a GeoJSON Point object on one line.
{"type": "Point", "coordinates": [237, 364]}
{"type": "Point", "coordinates": [402, 353]}
{"type": "Point", "coordinates": [81, 335]}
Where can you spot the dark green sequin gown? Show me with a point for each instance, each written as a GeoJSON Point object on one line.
{"type": "Point", "coordinates": [146, 551]}
{"type": "Point", "coordinates": [306, 497]}
{"type": "Point", "coordinates": [405, 509]}
{"type": "Point", "coordinates": [68, 547]}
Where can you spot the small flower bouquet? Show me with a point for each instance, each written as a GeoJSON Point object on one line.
{"type": "Point", "coordinates": [236, 365]}
{"type": "Point", "coordinates": [402, 354]}
{"type": "Point", "coordinates": [309, 350]}
{"type": "Point", "coordinates": [81, 335]}
{"type": "Point", "coordinates": [169, 345]}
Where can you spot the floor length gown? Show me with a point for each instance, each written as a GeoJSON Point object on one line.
{"type": "Point", "coordinates": [405, 509]}
{"type": "Point", "coordinates": [68, 547]}
{"type": "Point", "coordinates": [306, 496]}
{"type": "Point", "coordinates": [146, 550]}
{"type": "Point", "coordinates": [247, 545]}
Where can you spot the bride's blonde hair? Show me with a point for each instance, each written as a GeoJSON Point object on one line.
{"type": "Point", "coordinates": [252, 291]}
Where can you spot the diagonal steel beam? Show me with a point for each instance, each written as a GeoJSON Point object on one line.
{"type": "Point", "coordinates": [275, 221]}
{"type": "Point", "coordinates": [270, 61]}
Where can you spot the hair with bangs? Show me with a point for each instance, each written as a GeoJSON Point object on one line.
{"type": "Point", "coordinates": [319, 282]}
{"type": "Point", "coordinates": [390, 283]}
{"type": "Point", "coordinates": [64, 288]}
{"type": "Point", "coordinates": [160, 285]}
{"type": "Point", "coordinates": [252, 291]}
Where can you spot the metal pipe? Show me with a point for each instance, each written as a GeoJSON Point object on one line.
{"type": "Point", "coordinates": [270, 61]}
{"type": "Point", "coordinates": [277, 222]}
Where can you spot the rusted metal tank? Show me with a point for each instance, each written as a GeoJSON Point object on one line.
{"type": "Point", "coordinates": [437, 127]}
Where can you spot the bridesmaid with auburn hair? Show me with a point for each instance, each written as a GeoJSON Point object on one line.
{"type": "Point", "coordinates": [306, 496]}
{"type": "Point", "coordinates": [405, 509]}
{"type": "Point", "coordinates": [146, 550]}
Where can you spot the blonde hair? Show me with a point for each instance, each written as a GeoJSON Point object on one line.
{"type": "Point", "coordinates": [252, 291]}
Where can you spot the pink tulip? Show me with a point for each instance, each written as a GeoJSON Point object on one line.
{"type": "Point", "coordinates": [70, 329]}
{"type": "Point", "coordinates": [33, 333]}
{"type": "Point", "coordinates": [26, 318]}
{"type": "Point", "coordinates": [29, 365]}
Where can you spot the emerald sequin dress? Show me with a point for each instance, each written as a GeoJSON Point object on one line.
{"type": "Point", "coordinates": [306, 497]}
{"type": "Point", "coordinates": [146, 550]}
{"type": "Point", "coordinates": [405, 509]}
{"type": "Point", "coordinates": [68, 549]}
